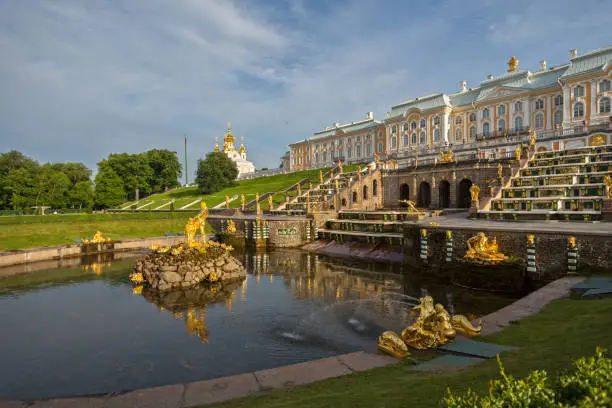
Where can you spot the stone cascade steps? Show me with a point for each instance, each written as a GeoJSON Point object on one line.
{"type": "Point", "coordinates": [565, 185]}
{"type": "Point", "coordinates": [368, 227]}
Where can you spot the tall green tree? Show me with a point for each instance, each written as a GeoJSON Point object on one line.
{"type": "Point", "coordinates": [109, 190]}
{"type": "Point", "coordinates": [76, 172]}
{"type": "Point", "coordinates": [134, 170]}
{"type": "Point", "coordinates": [215, 172]}
{"type": "Point", "coordinates": [11, 185]}
{"type": "Point", "coordinates": [81, 195]}
{"type": "Point", "coordinates": [52, 187]}
{"type": "Point", "coordinates": [166, 169]}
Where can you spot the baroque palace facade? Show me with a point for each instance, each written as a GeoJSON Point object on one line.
{"type": "Point", "coordinates": [489, 121]}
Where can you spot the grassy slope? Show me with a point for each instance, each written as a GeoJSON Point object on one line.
{"type": "Point", "coordinates": [30, 234]}
{"type": "Point", "coordinates": [259, 185]}
{"type": "Point", "coordinates": [550, 340]}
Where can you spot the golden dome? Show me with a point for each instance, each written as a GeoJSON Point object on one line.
{"type": "Point", "coordinates": [228, 140]}
{"type": "Point", "coordinates": [513, 64]}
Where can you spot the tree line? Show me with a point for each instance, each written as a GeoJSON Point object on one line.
{"type": "Point", "coordinates": [25, 183]}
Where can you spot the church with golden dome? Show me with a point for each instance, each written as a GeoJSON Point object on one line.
{"type": "Point", "coordinates": [239, 157]}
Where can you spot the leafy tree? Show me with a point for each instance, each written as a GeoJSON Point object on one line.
{"type": "Point", "coordinates": [76, 172]}
{"type": "Point", "coordinates": [134, 171]}
{"type": "Point", "coordinates": [82, 194]}
{"type": "Point", "coordinates": [166, 169]}
{"type": "Point", "coordinates": [215, 172]}
{"type": "Point", "coordinates": [52, 187]}
{"type": "Point", "coordinates": [109, 190]}
{"type": "Point", "coordinates": [22, 187]}
{"type": "Point", "coordinates": [11, 185]}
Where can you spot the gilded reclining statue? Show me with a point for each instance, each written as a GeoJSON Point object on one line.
{"type": "Point", "coordinates": [433, 327]}
{"type": "Point", "coordinates": [481, 249]}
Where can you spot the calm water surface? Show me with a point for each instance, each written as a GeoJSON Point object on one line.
{"type": "Point", "coordinates": [73, 331]}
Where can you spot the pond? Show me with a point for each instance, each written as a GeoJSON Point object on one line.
{"type": "Point", "coordinates": [82, 330]}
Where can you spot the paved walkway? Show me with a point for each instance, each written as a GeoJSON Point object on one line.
{"type": "Point", "coordinates": [242, 385]}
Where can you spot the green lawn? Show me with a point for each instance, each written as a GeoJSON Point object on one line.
{"type": "Point", "coordinates": [551, 340]}
{"type": "Point", "coordinates": [65, 229]}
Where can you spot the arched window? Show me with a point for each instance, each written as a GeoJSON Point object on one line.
{"type": "Point", "coordinates": [332, 154]}
{"type": "Point", "coordinates": [557, 117]}
{"type": "Point", "coordinates": [374, 188]}
{"type": "Point", "coordinates": [380, 135]}
{"type": "Point", "coordinates": [316, 157]}
{"type": "Point", "coordinates": [604, 85]}
{"type": "Point", "coordinates": [405, 139]}
{"type": "Point", "coordinates": [518, 106]}
{"type": "Point", "coordinates": [365, 192]}
{"type": "Point", "coordinates": [539, 121]}
{"type": "Point", "coordinates": [578, 110]}
{"type": "Point", "coordinates": [472, 117]}
{"type": "Point", "coordinates": [485, 129]}
{"type": "Point", "coordinates": [604, 105]}
{"type": "Point", "coordinates": [349, 152]}
{"type": "Point", "coordinates": [558, 100]}
{"type": "Point", "coordinates": [380, 147]}
{"type": "Point", "coordinates": [393, 142]}
{"type": "Point", "coordinates": [518, 123]}
{"type": "Point", "coordinates": [501, 125]}
{"type": "Point", "coordinates": [414, 138]}
{"type": "Point", "coordinates": [358, 149]}
{"type": "Point", "coordinates": [325, 156]}
{"type": "Point", "coordinates": [473, 132]}
{"type": "Point", "coordinates": [458, 135]}
{"type": "Point", "coordinates": [405, 127]}
{"type": "Point", "coordinates": [413, 125]}
{"type": "Point", "coordinates": [394, 129]}
{"type": "Point", "coordinates": [368, 149]}
{"type": "Point", "coordinates": [436, 135]}
{"type": "Point", "coordinates": [579, 91]}
{"type": "Point", "coordinates": [539, 104]}
{"type": "Point", "coordinates": [501, 110]}
{"type": "Point", "coordinates": [436, 120]}
{"type": "Point", "coordinates": [423, 123]}
{"type": "Point", "coordinates": [458, 120]}
{"type": "Point", "coordinates": [485, 113]}
{"type": "Point", "coordinates": [422, 138]}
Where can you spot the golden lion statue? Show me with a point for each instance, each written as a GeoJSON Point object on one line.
{"type": "Point", "coordinates": [411, 207]}
{"type": "Point", "coordinates": [479, 248]}
{"type": "Point", "coordinates": [196, 223]}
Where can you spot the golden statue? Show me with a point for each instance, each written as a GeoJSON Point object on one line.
{"type": "Point", "coordinates": [242, 201]}
{"type": "Point", "coordinates": [571, 242]}
{"type": "Point", "coordinates": [390, 343]}
{"type": "Point", "coordinates": [446, 157]}
{"type": "Point", "coordinates": [337, 185]}
{"type": "Point", "coordinates": [480, 249]}
{"type": "Point", "coordinates": [197, 325]}
{"type": "Point", "coordinates": [231, 227]}
{"type": "Point", "coordinates": [530, 239]}
{"type": "Point", "coordinates": [196, 223]}
{"type": "Point", "coordinates": [340, 166]}
{"type": "Point", "coordinates": [607, 180]}
{"type": "Point", "coordinates": [257, 206]}
{"type": "Point", "coordinates": [517, 153]}
{"type": "Point", "coordinates": [532, 139]}
{"type": "Point", "coordinates": [270, 202]}
{"type": "Point", "coordinates": [299, 189]}
{"type": "Point", "coordinates": [227, 201]}
{"type": "Point", "coordinates": [97, 239]}
{"type": "Point", "coordinates": [474, 191]}
{"type": "Point", "coordinates": [500, 169]}
{"type": "Point", "coordinates": [321, 176]}
{"type": "Point", "coordinates": [411, 207]}
{"type": "Point", "coordinates": [513, 64]}
{"type": "Point", "coordinates": [377, 159]}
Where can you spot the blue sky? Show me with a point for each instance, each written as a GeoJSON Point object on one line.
{"type": "Point", "coordinates": [82, 79]}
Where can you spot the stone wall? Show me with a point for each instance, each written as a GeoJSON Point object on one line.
{"type": "Point", "coordinates": [287, 234]}
{"type": "Point", "coordinates": [353, 197]}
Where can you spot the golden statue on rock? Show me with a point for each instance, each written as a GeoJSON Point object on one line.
{"type": "Point", "coordinates": [433, 327]}
{"type": "Point", "coordinates": [446, 157]}
{"type": "Point", "coordinates": [196, 223]}
{"type": "Point", "coordinates": [481, 249]}
{"type": "Point", "coordinates": [97, 239]}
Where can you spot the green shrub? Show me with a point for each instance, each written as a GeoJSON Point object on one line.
{"type": "Point", "coordinates": [590, 385]}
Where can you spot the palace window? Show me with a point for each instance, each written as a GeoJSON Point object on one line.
{"type": "Point", "coordinates": [578, 110]}
{"type": "Point", "coordinates": [485, 129]}
{"type": "Point", "coordinates": [458, 135]}
{"type": "Point", "coordinates": [473, 117]}
{"type": "Point", "coordinates": [423, 123]}
{"type": "Point", "coordinates": [604, 105]}
{"type": "Point", "coordinates": [458, 120]}
{"type": "Point", "coordinates": [473, 132]}
{"type": "Point", "coordinates": [325, 155]}
{"type": "Point", "coordinates": [539, 121]}
{"type": "Point", "coordinates": [358, 150]}
{"type": "Point", "coordinates": [349, 152]}
{"type": "Point", "coordinates": [579, 91]}
{"type": "Point", "coordinates": [405, 139]}
{"type": "Point", "coordinates": [332, 155]}
{"type": "Point", "coordinates": [436, 120]}
{"type": "Point", "coordinates": [518, 106]}
{"type": "Point", "coordinates": [380, 135]}
{"type": "Point", "coordinates": [436, 135]}
{"type": "Point", "coordinates": [413, 125]}
{"type": "Point", "coordinates": [405, 127]}
{"type": "Point", "coordinates": [394, 129]}
{"type": "Point", "coordinates": [558, 100]}
{"type": "Point", "coordinates": [422, 138]}
{"type": "Point", "coordinates": [368, 149]}
{"type": "Point", "coordinates": [393, 142]}
{"type": "Point", "coordinates": [501, 110]}
{"type": "Point", "coordinates": [501, 125]}
{"type": "Point", "coordinates": [316, 157]}
{"type": "Point", "coordinates": [380, 147]}
{"type": "Point", "coordinates": [604, 85]}
{"type": "Point", "coordinates": [485, 113]}
{"type": "Point", "coordinates": [557, 118]}
{"type": "Point", "coordinates": [518, 123]}
{"type": "Point", "coordinates": [539, 104]}
{"type": "Point", "coordinates": [414, 138]}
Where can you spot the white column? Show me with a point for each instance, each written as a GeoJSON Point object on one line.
{"type": "Point", "coordinates": [548, 105]}
{"type": "Point", "coordinates": [567, 108]}
{"type": "Point", "coordinates": [444, 127]}
{"type": "Point", "coordinates": [594, 108]}
{"type": "Point", "coordinates": [527, 116]}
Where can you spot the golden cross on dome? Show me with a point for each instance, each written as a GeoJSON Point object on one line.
{"type": "Point", "coordinates": [229, 126]}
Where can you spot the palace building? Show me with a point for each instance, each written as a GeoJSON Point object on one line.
{"type": "Point", "coordinates": [488, 121]}
{"type": "Point", "coordinates": [239, 157]}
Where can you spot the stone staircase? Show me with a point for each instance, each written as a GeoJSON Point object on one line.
{"type": "Point", "coordinates": [367, 227]}
{"type": "Point", "coordinates": [557, 185]}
